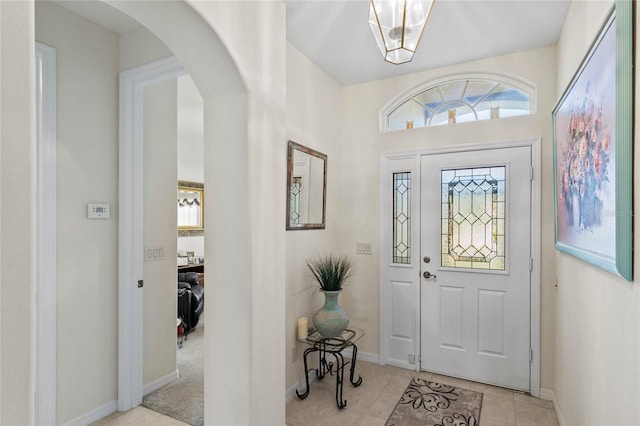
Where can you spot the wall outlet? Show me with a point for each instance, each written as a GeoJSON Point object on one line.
{"type": "Point", "coordinates": [363, 247]}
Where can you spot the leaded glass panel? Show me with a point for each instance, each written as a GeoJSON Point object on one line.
{"type": "Point", "coordinates": [296, 194]}
{"type": "Point", "coordinates": [402, 217]}
{"type": "Point", "coordinates": [473, 218]}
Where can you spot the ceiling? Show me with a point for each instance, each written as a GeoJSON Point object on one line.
{"type": "Point", "coordinates": [336, 36]}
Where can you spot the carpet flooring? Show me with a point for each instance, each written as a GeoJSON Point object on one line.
{"type": "Point", "coordinates": [435, 404]}
{"type": "Point", "coordinates": [183, 399]}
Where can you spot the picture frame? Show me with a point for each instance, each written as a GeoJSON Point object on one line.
{"type": "Point", "coordinates": [593, 151]}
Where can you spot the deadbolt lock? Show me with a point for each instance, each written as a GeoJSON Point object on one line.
{"type": "Point", "coordinates": [426, 259]}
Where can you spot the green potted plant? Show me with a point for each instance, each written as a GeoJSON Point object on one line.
{"type": "Point", "coordinates": [331, 273]}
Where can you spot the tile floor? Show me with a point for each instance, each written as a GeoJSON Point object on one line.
{"type": "Point", "coordinates": [372, 402]}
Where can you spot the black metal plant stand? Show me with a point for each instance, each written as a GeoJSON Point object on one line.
{"type": "Point", "coordinates": [333, 346]}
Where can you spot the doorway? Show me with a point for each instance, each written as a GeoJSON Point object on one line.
{"type": "Point", "coordinates": [472, 311]}
{"type": "Point", "coordinates": [475, 251]}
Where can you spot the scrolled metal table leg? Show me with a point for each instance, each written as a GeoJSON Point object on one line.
{"type": "Point", "coordinates": [339, 379]}
{"type": "Point", "coordinates": [306, 375]}
{"type": "Point", "coordinates": [353, 368]}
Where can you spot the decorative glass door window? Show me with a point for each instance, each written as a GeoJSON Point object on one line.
{"type": "Point", "coordinates": [296, 193]}
{"type": "Point", "coordinates": [402, 218]}
{"type": "Point", "coordinates": [473, 218]}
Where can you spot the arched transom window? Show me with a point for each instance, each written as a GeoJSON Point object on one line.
{"type": "Point", "coordinates": [460, 100]}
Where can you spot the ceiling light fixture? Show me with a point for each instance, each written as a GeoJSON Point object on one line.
{"type": "Point", "coordinates": [398, 25]}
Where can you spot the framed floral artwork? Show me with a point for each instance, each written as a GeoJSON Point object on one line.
{"type": "Point", "coordinates": [592, 125]}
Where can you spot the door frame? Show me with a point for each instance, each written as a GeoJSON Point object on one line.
{"type": "Point", "coordinates": [130, 239]}
{"type": "Point", "coordinates": [386, 163]}
{"type": "Point", "coordinates": [46, 236]}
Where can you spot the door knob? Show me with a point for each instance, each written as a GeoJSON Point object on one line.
{"type": "Point", "coordinates": [428, 275]}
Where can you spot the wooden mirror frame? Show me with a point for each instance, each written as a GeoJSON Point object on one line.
{"type": "Point", "coordinates": [293, 146]}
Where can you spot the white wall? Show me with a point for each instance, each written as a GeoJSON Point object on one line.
{"type": "Point", "coordinates": [597, 315]}
{"type": "Point", "coordinates": [159, 230]}
{"type": "Point", "coordinates": [17, 229]}
{"type": "Point", "coordinates": [360, 157]}
{"type": "Point", "coordinates": [314, 117]}
{"type": "Point", "coordinates": [87, 164]}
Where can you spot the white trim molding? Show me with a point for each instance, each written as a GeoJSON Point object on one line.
{"type": "Point", "coordinates": [130, 244]}
{"type": "Point", "coordinates": [45, 292]}
{"type": "Point", "coordinates": [550, 395]}
{"type": "Point", "coordinates": [157, 384]}
{"type": "Point", "coordinates": [93, 415]}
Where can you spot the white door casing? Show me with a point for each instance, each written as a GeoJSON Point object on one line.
{"type": "Point", "coordinates": [46, 237]}
{"type": "Point", "coordinates": [476, 322]}
{"type": "Point", "coordinates": [395, 351]}
{"type": "Point", "coordinates": [130, 244]}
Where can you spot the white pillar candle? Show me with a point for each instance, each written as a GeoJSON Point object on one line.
{"type": "Point", "coordinates": [303, 324]}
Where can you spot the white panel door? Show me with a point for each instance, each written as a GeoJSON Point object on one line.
{"type": "Point", "coordinates": [476, 232]}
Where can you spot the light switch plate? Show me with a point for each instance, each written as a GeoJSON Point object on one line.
{"type": "Point", "coordinates": [363, 247]}
{"type": "Point", "coordinates": [98, 211]}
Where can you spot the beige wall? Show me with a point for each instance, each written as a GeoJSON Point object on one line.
{"type": "Point", "coordinates": [88, 60]}
{"type": "Point", "coordinates": [314, 117]}
{"type": "Point", "coordinates": [159, 230]}
{"type": "Point", "coordinates": [87, 164]}
{"type": "Point", "coordinates": [17, 231]}
{"type": "Point", "coordinates": [597, 314]}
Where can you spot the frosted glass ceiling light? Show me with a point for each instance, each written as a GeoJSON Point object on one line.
{"type": "Point", "coordinates": [397, 26]}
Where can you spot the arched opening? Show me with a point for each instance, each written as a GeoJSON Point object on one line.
{"type": "Point", "coordinates": [235, 375]}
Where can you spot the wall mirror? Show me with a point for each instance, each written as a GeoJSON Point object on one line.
{"type": "Point", "coordinates": [306, 187]}
{"type": "Point", "coordinates": [190, 208]}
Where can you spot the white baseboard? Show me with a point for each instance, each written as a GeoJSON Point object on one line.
{"type": "Point", "coordinates": [94, 415]}
{"type": "Point", "coordinates": [157, 384]}
{"type": "Point", "coordinates": [291, 392]}
{"type": "Point", "coordinates": [362, 356]}
{"type": "Point", "coordinates": [550, 395]}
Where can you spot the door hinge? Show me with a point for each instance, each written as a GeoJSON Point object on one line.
{"type": "Point", "coordinates": [530, 355]}
{"type": "Point", "coordinates": [531, 173]}
{"type": "Point", "coordinates": [140, 283]}
{"type": "Point", "coordinates": [531, 264]}
{"type": "Point", "coordinates": [420, 359]}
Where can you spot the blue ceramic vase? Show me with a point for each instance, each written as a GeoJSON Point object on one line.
{"type": "Point", "coordinates": [330, 320]}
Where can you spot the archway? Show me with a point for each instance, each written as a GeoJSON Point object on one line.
{"type": "Point", "coordinates": [242, 368]}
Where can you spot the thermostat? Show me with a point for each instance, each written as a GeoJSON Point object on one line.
{"type": "Point", "coordinates": [98, 211]}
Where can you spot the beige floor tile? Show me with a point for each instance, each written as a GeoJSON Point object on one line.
{"type": "Point", "coordinates": [530, 400]}
{"type": "Point", "coordinates": [493, 422]}
{"type": "Point", "coordinates": [372, 421]}
{"type": "Point", "coordinates": [139, 416]}
{"type": "Point", "coordinates": [529, 415]}
{"type": "Point", "coordinates": [497, 409]}
{"type": "Point", "coordinates": [397, 385]}
{"type": "Point", "coordinates": [383, 405]}
{"type": "Point", "coordinates": [492, 391]}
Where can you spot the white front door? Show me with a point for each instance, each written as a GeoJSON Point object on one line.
{"type": "Point", "coordinates": [476, 237]}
